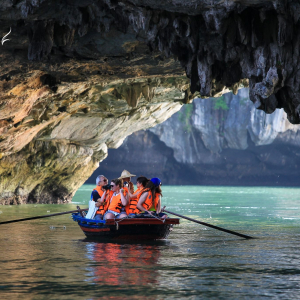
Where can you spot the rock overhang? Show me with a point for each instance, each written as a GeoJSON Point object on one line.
{"type": "Point", "coordinates": [218, 43]}
{"type": "Point", "coordinates": [61, 56]}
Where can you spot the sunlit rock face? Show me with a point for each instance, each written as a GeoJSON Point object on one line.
{"type": "Point", "coordinates": [236, 144]}
{"type": "Point", "coordinates": [239, 145]}
{"type": "Point", "coordinates": [75, 80]}
{"type": "Point", "coordinates": [79, 76]}
{"type": "Point", "coordinates": [219, 124]}
{"type": "Point", "coordinates": [52, 141]}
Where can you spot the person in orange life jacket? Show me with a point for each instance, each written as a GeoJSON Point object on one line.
{"type": "Point", "coordinates": [96, 195]}
{"type": "Point", "coordinates": [118, 199]}
{"type": "Point", "coordinates": [126, 178]}
{"type": "Point", "coordinates": [150, 199]}
{"type": "Point", "coordinates": [131, 209]}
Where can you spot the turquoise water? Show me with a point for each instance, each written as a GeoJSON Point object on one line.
{"type": "Point", "coordinates": [51, 259]}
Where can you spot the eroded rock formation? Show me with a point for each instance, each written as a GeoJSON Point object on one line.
{"type": "Point", "coordinates": [221, 141]}
{"type": "Point", "coordinates": [79, 76]}
{"type": "Point", "coordinates": [53, 141]}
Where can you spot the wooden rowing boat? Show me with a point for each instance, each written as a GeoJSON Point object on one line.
{"type": "Point", "coordinates": [126, 229]}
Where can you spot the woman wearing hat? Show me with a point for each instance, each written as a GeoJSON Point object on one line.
{"type": "Point", "coordinates": [125, 177]}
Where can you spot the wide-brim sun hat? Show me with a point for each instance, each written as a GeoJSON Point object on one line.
{"type": "Point", "coordinates": [126, 174]}
{"type": "Point", "coordinates": [156, 181]}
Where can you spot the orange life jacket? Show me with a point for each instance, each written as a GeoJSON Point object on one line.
{"type": "Point", "coordinates": [148, 202]}
{"type": "Point", "coordinates": [115, 203]}
{"type": "Point", "coordinates": [99, 190]}
{"type": "Point", "coordinates": [131, 206]}
{"type": "Point", "coordinates": [102, 208]}
{"type": "Point", "coordinates": [156, 200]}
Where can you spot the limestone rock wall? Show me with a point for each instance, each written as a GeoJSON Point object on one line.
{"type": "Point", "coordinates": [220, 44]}
{"type": "Point", "coordinates": [229, 122]}
{"type": "Point", "coordinates": [77, 77]}
{"type": "Point", "coordinates": [224, 141]}
{"type": "Point", "coordinates": [55, 142]}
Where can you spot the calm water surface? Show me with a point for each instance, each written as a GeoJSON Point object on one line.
{"type": "Point", "coordinates": [51, 259]}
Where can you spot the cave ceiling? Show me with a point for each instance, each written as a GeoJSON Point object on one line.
{"type": "Point", "coordinates": [79, 76]}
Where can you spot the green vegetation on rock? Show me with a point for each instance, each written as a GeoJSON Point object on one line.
{"type": "Point", "coordinates": [220, 103]}
{"type": "Point", "coordinates": [184, 116]}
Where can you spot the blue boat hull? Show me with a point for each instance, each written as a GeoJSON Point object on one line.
{"type": "Point", "coordinates": [126, 229]}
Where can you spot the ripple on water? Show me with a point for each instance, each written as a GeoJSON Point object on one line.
{"type": "Point", "coordinates": [196, 262]}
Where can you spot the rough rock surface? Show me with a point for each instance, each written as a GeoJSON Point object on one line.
{"type": "Point", "coordinates": [235, 145]}
{"type": "Point", "coordinates": [71, 68]}
{"type": "Point", "coordinates": [51, 148]}
{"type": "Point", "coordinates": [219, 124]}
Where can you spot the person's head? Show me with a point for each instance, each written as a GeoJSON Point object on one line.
{"type": "Point", "coordinates": [101, 180]}
{"type": "Point", "coordinates": [154, 185]}
{"type": "Point", "coordinates": [116, 184]}
{"type": "Point", "coordinates": [142, 181]}
{"type": "Point", "coordinates": [125, 180]}
{"type": "Point", "coordinates": [156, 181]}
{"type": "Point", "coordinates": [126, 176]}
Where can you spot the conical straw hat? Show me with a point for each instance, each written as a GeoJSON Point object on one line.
{"type": "Point", "coordinates": [126, 174]}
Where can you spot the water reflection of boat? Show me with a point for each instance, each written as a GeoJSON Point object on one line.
{"type": "Point", "coordinates": [130, 265]}
{"type": "Point", "coordinates": [126, 229]}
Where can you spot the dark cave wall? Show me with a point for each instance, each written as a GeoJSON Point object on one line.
{"type": "Point", "coordinates": [219, 44]}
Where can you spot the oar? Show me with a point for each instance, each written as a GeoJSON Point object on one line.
{"type": "Point", "coordinates": [209, 225]}
{"type": "Point", "coordinates": [40, 217]}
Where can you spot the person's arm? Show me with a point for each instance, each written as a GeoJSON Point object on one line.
{"type": "Point", "coordinates": [141, 201]}
{"type": "Point", "coordinates": [131, 188]}
{"type": "Point", "coordinates": [101, 200]}
{"type": "Point", "coordinates": [130, 195]}
{"type": "Point", "coordinates": [124, 199]}
{"type": "Point", "coordinates": [158, 208]}
{"type": "Point", "coordinates": [133, 196]}
{"type": "Point", "coordinates": [95, 195]}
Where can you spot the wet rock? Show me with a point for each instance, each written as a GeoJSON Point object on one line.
{"type": "Point", "coordinates": [115, 67]}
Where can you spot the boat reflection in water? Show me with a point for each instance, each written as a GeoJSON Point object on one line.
{"type": "Point", "coordinates": [124, 264]}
